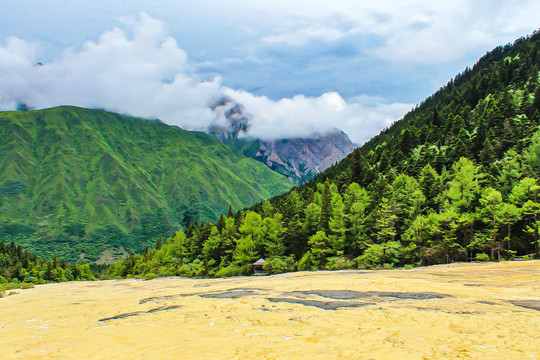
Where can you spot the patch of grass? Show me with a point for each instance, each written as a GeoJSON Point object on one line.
{"type": "Point", "coordinates": [15, 285]}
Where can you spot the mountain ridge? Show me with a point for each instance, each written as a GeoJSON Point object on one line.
{"type": "Point", "coordinates": [81, 171]}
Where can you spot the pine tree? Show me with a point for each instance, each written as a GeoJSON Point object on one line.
{"type": "Point", "coordinates": [487, 155]}
{"type": "Point", "coordinates": [525, 197]}
{"type": "Point", "coordinates": [508, 215]}
{"type": "Point", "coordinates": [319, 248]}
{"type": "Point", "coordinates": [386, 224]}
{"type": "Point", "coordinates": [491, 201]}
{"type": "Point", "coordinates": [356, 167]}
{"type": "Point", "coordinates": [221, 223]}
{"type": "Point", "coordinates": [431, 186]}
{"type": "Point", "coordinates": [435, 120]}
{"type": "Point", "coordinates": [536, 101]}
{"type": "Point", "coordinates": [324, 219]}
{"type": "Point", "coordinates": [159, 243]}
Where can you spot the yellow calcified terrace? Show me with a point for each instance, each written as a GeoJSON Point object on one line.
{"type": "Point", "coordinates": [466, 311]}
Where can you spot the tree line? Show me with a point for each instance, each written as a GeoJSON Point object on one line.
{"type": "Point", "coordinates": [20, 268]}
{"type": "Point", "coordinates": [462, 214]}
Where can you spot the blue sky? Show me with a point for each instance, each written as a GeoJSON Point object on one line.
{"type": "Point", "coordinates": [298, 66]}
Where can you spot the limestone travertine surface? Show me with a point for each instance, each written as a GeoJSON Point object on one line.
{"type": "Point", "coordinates": [458, 311]}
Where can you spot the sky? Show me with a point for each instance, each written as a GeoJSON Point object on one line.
{"type": "Point", "coordinates": [299, 67]}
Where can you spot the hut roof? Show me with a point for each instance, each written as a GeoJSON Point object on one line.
{"type": "Point", "coordinates": [261, 261]}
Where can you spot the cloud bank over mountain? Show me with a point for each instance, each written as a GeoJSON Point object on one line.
{"type": "Point", "coordinates": [298, 66]}
{"type": "Point", "coordinates": [143, 72]}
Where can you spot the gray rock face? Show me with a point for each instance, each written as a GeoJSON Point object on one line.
{"type": "Point", "coordinates": [298, 159]}
{"type": "Point", "coordinates": [236, 120]}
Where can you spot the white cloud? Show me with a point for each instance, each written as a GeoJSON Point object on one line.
{"type": "Point", "coordinates": [413, 31]}
{"type": "Point", "coordinates": [302, 116]}
{"type": "Point", "coordinates": [304, 36]}
{"type": "Point", "coordinates": [435, 32]}
{"type": "Point", "coordinates": [144, 73]}
{"type": "Point", "coordinates": [402, 50]}
{"type": "Point", "coordinates": [16, 59]}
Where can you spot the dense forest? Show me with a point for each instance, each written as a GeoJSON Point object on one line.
{"type": "Point", "coordinates": [457, 179]}
{"type": "Point", "coordinates": [21, 269]}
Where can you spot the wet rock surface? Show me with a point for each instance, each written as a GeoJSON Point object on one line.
{"type": "Point", "coordinates": [528, 304]}
{"type": "Point", "coordinates": [326, 305]}
{"type": "Point", "coordinates": [123, 316]}
{"type": "Point", "coordinates": [349, 295]}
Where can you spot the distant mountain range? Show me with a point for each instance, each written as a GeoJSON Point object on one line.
{"type": "Point", "coordinates": [90, 183]}
{"type": "Point", "coordinates": [299, 159]}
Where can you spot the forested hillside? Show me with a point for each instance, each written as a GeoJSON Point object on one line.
{"type": "Point", "coordinates": [78, 182]}
{"type": "Point", "coordinates": [457, 179]}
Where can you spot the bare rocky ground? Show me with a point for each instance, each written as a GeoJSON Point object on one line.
{"type": "Point", "coordinates": [458, 311]}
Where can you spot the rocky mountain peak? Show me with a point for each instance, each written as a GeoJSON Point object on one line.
{"type": "Point", "coordinates": [231, 119]}
{"type": "Point", "coordinates": [299, 159]}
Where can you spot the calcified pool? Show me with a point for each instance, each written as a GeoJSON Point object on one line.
{"type": "Point", "coordinates": [465, 311]}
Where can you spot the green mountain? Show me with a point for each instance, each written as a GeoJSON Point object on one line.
{"type": "Point", "coordinates": [78, 181]}
{"type": "Point", "coordinates": [457, 179]}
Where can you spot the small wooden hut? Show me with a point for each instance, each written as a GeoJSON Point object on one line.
{"type": "Point", "coordinates": [258, 267]}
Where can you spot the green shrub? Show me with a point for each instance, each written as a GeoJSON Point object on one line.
{"type": "Point", "coordinates": [307, 262]}
{"type": "Point", "coordinates": [26, 285]}
{"type": "Point", "coordinates": [372, 257]}
{"type": "Point", "coordinates": [339, 263]}
{"type": "Point", "coordinates": [16, 285]}
{"type": "Point", "coordinates": [482, 257]}
{"type": "Point", "coordinates": [190, 270]}
{"type": "Point", "coordinates": [360, 266]}
{"type": "Point", "coordinates": [149, 276]}
{"type": "Point", "coordinates": [231, 270]}
{"type": "Point", "coordinates": [279, 265]}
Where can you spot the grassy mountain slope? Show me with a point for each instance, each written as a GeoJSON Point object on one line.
{"type": "Point", "coordinates": [75, 180]}
{"type": "Point", "coordinates": [457, 179]}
